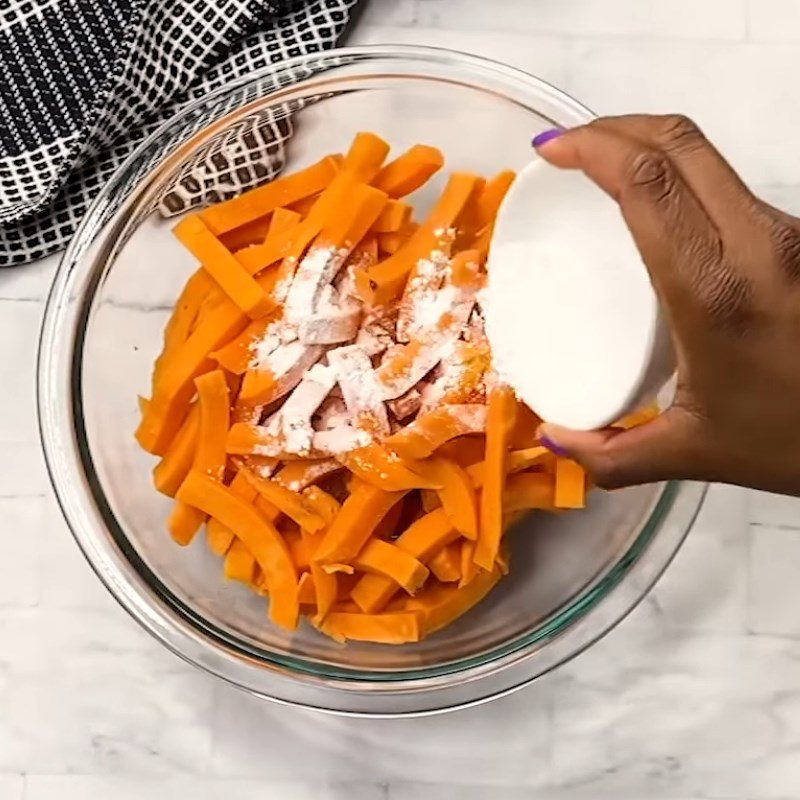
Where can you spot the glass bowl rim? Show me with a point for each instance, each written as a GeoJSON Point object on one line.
{"type": "Point", "coordinates": [172, 612]}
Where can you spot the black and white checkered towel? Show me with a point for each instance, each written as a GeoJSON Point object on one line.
{"type": "Point", "coordinates": [85, 81]}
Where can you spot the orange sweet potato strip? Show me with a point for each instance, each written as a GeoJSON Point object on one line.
{"type": "Point", "coordinates": [430, 431]}
{"type": "Point", "coordinates": [263, 466]}
{"type": "Point", "coordinates": [409, 171]}
{"type": "Point", "coordinates": [394, 216]}
{"type": "Point", "coordinates": [385, 470]}
{"type": "Point", "coordinates": [456, 493]}
{"type": "Point", "coordinates": [183, 318]}
{"type": "Point", "coordinates": [516, 461]}
{"type": "Point", "coordinates": [175, 388]}
{"type": "Point", "coordinates": [297, 547]}
{"type": "Point", "coordinates": [209, 452]}
{"type": "Point", "coordinates": [487, 205]}
{"type": "Point", "coordinates": [218, 536]}
{"type": "Point", "coordinates": [360, 514]}
{"type": "Point", "coordinates": [291, 503]}
{"type": "Point", "coordinates": [184, 521]}
{"type": "Point", "coordinates": [214, 402]}
{"type": "Point", "coordinates": [387, 559]}
{"type": "Point", "coordinates": [326, 585]}
{"type": "Point", "coordinates": [282, 219]}
{"type": "Point", "coordinates": [220, 263]}
{"type": "Point", "coordinates": [176, 463]}
{"type": "Point", "coordinates": [488, 201]}
{"type": "Point", "coordinates": [422, 539]}
{"type": "Point", "coordinates": [259, 202]}
{"type": "Point", "coordinates": [446, 564]}
{"type": "Point", "coordinates": [390, 243]}
{"type": "Point", "coordinates": [570, 491]}
{"type": "Point", "coordinates": [259, 230]}
{"type": "Point", "coordinates": [297, 475]}
{"type": "Point", "coordinates": [236, 355]}
{"type": "Point", "coordinates": [306, 593]}
{"type": "Point", "coordinates": [438, 606]}
{"type": "Point", "coordinates": [259, 536]}
{"type": "Point", "coordinates": [528, 490]}
{"type": "Point", "coordinates": [247, 438]}
{"type": "Point", "coordinates": [253, 232]}
{"type": "Point", "coordinates": [388, 527]}
{"type": "Point", "coordinates": [302, 207]}
{"type": "Point", "coordinates": [395, 628]}
{"type": "Point", "coordinates": [385, 281]}
{"type": "Point", "coordinates": [465, 450]}
{"type": "Point", "coordinates": [290, 245]}
{"type": "Point", "coordinates": [469, 569]}
{"type": "Point", "coordinates": [239, 563]}
{"type": "Point", "coordinates": [430, 500]}
{"type": "Point", "coordinates": [270, 512]}
{"type": "Point", "coordinates": [499, 424]}
{"type": "Point", "coordinates": [365, 156]}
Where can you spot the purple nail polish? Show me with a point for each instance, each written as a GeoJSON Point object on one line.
{"type": "Point", "coordinates": [552, 446]}
{"type": "Point", "coordinates": [546, 136]}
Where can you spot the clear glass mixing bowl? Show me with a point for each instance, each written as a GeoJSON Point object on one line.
{"type": "Point", "coordinates": [573, 576]}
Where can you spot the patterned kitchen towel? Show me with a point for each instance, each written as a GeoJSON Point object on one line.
{"type": "Point", "coordinates": [85, 81]}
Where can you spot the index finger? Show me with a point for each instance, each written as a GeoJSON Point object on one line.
{"type": "Point", "coordinates": [703, 168]}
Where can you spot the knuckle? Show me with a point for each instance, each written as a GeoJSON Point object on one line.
{"type": "Point", "coordinates": [678, 132]}
{"type": "Point", "coordinates": [725, 297]}
{"type": "Point", "coordinates": [786, 245]}
{"type": "Point", "coordinates": [652, 173]}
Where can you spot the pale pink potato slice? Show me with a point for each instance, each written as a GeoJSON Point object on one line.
{"type": "Point", "coordinates": [289, 363]}
{"type": "Point", "coordinates": [360, 389]}
{"type": "Point", "coordinates": [300, 406]}
{"type": "Point", "coordinates": [422, 295]}
{"type": "Point", "coordinates": [332, 327]}
{"type": "Point", "coordinates": [373, 338]}
{"type": "Point", "coordinates": [339, 440]}
{"type": "Point", "coordinates": [377, 331]}
{"type": "Point", "coordinates": [332, 413]}
{"type": "Point", "coordinates": [315, 271]}
{"type": "Point", "coordinates": [336, 320]}
{"type": "Point", "coordinates": [404, 406]}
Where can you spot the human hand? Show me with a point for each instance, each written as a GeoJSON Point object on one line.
{"type": "Point", "coordinates": [726, 267]}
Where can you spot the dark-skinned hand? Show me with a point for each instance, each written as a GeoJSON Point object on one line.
{"type": "Point", "coordinates": [726, 267]}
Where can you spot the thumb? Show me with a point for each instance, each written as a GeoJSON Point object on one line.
{"type": "Point", "coordinates": [659, 450]}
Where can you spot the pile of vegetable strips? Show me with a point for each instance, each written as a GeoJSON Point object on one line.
{"type": "Point", "coordinates": [325, 404]}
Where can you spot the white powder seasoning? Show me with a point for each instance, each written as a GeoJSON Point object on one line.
{"type": "Point", "coordinates": [421, 298]}
{"type": "Point", "coordinates": [340, 440]}
{"type": "Point", "coordinates": [360, 389]}
{"type": "Point", "coordinates": [261, 348]}
{"type": "Point", "coordinates": [315, 271]}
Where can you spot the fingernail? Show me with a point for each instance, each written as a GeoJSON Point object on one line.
{"type": "Point", "coordinates": [554, 448]}
{"type": "Point", "coordinates": [545, 136]}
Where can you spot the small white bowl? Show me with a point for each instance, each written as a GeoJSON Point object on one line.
{"type": "Point", "coordinates": [572, 318]}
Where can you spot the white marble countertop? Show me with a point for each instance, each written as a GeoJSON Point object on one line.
{"type": "Point", "coordinates": [696, 695]}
